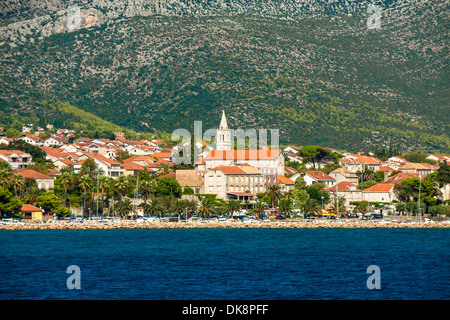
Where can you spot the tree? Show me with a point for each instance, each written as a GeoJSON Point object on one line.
{"type": "Point", "coordinates": [125, 208]}
{"type": "Point", "coordinates": [258, 209]}
{"type": "Point", "coordinates": [299, 193]}
{"type": "Point", "coordinates": [274, 192]}
{"type": "Point", "coordinates": [51, 203]}
{"type": "Point", "coordinates": [443, 174]}
{"type": "Point", "coordinates": [66, 178]}
{"type": "Point", "coordinates": [362, 207]}
{"type": "Point", "coordinates": [316, 155]}
{"type": "Point", "coordinates": [408, 189]}
{"type": "Point", "coordinates": [147, 189]}
{"type": "Point", "coordinates": [206, 207]}
{"type": "Point", "coordinates": [285, 207]}
{"type": "Point", "coordinates": [17, 182]}
{"type": "Point", "coordinates": [400, 207]}
{"type": "Point", "coordinates": [367, 174]}
{"type": "Point", "coordinates": [85, 184]}
{"type": "Point", "coordinates": [166, 186]}
{"type": "Point", "coordinates": [122, 186]}
{"type": "Point", "coordinates": [311, 206]}
{"type": "Point", "coordinates": [317, 192]}
{"type": "Point", "coordinates": [8, 203]}
{"type": "Point", "coordinates": [11, 133]}
{"type": "Point", "coordinates": [231, 206]}
{"type": "Point", "coordinates": [4, 177]}
{"type": "Point", "coordinates": [153, 208]}
{"type": "Point", "coordinates": [103, 184]}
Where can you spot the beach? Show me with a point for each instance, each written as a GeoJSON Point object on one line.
{"type": "Point", "coordinates": [130, 224]}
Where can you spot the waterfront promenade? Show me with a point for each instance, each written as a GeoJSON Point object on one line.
{"type": "Point", "coordinates": [289, 224]}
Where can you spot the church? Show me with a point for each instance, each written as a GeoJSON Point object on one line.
{"type": "Point", "coordinates": [269, 162]}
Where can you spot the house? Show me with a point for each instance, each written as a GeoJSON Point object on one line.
{"type": "Point", "coordinates": [358, 163]}
{"type": "Point", "coordinates": [438, 158]}
{"type": "Point", "coordinates": [31, 212]}
{"type": "Point", "coordinates": [132, 169]}
{"type": "Point", "coordinates": [312, 177]}
{"type": "Point", "coordinates": [381, 192]}
{"type": "Point", "coordinates": [110, 167]}
{"type": "Point", "coordinates": [343, 174]}
{"type": "Point", "coordinates": [143, 161]}
{"type": "Point", "coordinates": [142, 151]}
{"type": "Point", "coordinates": [191, 179]}
{"type": "Point", "coordinates": [291, 149]}
{"type": "Point", "coordinates": [163, 155]}
{"type": "Point", "coordinates": [285, 184]}
{"type": "Point", "coordinates": [16, 159]}
{"type": "Point", "coordinates": [52, 141]}
{"type": "Point", "coordinates": [31, 139]}
{"type": "Point", "coordinates": [418, 168]}
{"type": "Point", "coordinates": [402, 175]}
{"type": "Point", "coordinates": [346, 190]}
{"type": "Point", "coordinates": [398, 160]}
{"type": "Point", "coordinates": [5, 140]}
{"type": "Point", "coordinates": [234, 182]}
{"type": "Point", "coordinates": [43, 181]}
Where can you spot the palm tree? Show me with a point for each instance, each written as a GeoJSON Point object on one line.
{"type": "Point", "coordinates": [147, 189]}
{"type": "Point", "coordinates": [362, 207]}
{"type": "Point", "coordinates": [258, 209]}
{"type": "Point", "coordinates": [85, 183]}
{"type": "Point", "coordinates": [311, 206]}
{"type": "Point", "coordinates": [206, 207]}
{"type": "Point", "coordinates": [274, 192]}
{"type": "Point", "coordinates": [103, 183]}
{"type": "Point", "coordinates": [165, 169]}
{"type": "Point", "coordinates": [153, 207]}
{"type": "Point", "coordinates": [17, 182]}
{"type": "Point", "coordinates": [122, 185]}
{"type": "Point", "coordinates": [231, 206]}
{"type": "Point", "coordinates": [179, 207]}
{"type": "Point", "coordinates": [126, 208]}
{"type": "Point", "coordinates": [367, 174]}
{"type": "Point", "coordinates": [286, 206]}
{"type": "Point", "coordinates": [66, 178]}
{"type": "Point", "coordinates": [5, 173]}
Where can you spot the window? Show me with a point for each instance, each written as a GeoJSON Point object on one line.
{"type": "Point", "coordinates": [210, 189]}
{"type": "Point", "coordinates": [219, 179]}
{"type": "Point", "coordinates": [210, 179]}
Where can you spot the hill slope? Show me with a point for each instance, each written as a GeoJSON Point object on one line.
{"type": "Point", "coordinates": [317, 73]}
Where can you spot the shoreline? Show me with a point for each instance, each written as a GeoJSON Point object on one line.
{"type": "Point", "coordinates": [222, 225]}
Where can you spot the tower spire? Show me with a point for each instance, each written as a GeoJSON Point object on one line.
{"type": "Point", "coordinates": [223, 122]}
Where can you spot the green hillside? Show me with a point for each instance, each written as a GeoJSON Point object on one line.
{"type": "Point", "coordinates": [322, 79]}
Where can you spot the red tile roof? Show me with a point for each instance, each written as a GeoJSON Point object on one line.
{"type": "Point", "coordinates": [319, 175]}
{"type": "Point", "coordinates": [341, 187]}
{"type": "Point", "coordinates": [381, 187]}
{"type": "Point", "coordinates": [243, 154]}
{"type": "Point", "coordinates": [28, 173]}
{"type": "Point", "coordinates": [285, 180]}
{"type": "Point", "coordinates": [29, 207]}
{"type": "Point", "coordinates": [230, 169]}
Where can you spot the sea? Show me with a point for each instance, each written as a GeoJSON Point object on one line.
{"type": "Point", "coordinates": [225, 264]}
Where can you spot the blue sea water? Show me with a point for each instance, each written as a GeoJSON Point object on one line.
{"type": "Point", "coordinates": [226, 264]}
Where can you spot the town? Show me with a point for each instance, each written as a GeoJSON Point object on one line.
{"type": "Point", "coordinates": [46, 177]}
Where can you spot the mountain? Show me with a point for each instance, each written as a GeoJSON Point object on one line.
{"type": "Point", "coordinates": [313, 69]}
